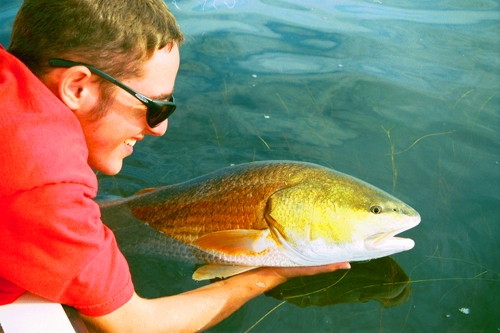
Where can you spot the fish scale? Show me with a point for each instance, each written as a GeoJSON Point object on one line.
{"type": "Point", "coordinates": [220, 201]}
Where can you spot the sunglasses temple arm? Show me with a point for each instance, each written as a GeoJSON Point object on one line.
{"type": "Point", "coordinates": [111, 79]}
{"type": "Point", "coordinates": [67, 64]}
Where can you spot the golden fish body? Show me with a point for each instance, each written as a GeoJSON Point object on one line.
{"type": "Point", "coordinates": [277, 213]}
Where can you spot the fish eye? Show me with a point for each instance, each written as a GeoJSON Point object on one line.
{"type": "Point", "coordinates": [376, 209]}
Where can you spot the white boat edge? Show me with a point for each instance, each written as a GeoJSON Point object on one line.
{"type": "Point", "coordinates": [33, 314]}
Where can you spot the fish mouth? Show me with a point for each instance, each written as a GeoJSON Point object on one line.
{"type": "Point", "coordinates": [387, 241]}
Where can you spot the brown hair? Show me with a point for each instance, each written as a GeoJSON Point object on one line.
{"type": "Point", "coordinates": [116, 36]}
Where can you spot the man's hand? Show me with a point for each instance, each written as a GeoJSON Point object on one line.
{"type": "Point", "coordinates": [291, 272]}
{"type": "Point", "coordinates": [199, 309]}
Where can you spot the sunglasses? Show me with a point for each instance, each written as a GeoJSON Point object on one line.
{"type": "Point", "coordinates": [158, 110]}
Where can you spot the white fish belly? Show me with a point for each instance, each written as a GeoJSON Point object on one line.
{"type": "Point", "coordinates": [271, 258]}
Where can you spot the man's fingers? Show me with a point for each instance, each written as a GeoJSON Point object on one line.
{"type": "Point", "coordinates": [291, 272]}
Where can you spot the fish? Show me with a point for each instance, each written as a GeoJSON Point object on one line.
{"type": "Point", "coordinates": [275, 214]}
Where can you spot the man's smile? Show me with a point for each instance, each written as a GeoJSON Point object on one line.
{"type": "Point", "coordinates": [130, 142]}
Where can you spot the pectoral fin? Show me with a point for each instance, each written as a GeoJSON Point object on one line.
{"type": "Point", "coordinates": [236, 242]}
{"type": "Point", "coordinates": [219, 271]}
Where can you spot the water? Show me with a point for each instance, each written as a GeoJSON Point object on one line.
{"type": "Point", "coordinates": [404, 95]}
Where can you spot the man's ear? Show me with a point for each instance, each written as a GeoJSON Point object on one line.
{"type": "Point", "coordinates": [77, 89]}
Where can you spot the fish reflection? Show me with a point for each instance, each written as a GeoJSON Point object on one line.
{"type": "Point", "coordinates": [381, 280]}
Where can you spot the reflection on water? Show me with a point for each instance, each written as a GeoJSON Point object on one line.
{"type": "Point", "coordinates": [381, 280]}
{"type": "Point", "coordinates": [404, 95]}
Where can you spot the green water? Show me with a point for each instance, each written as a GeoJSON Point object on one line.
{"type": "Point", "coordinates": [402, 95]}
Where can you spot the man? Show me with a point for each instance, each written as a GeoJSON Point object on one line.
{"type": "Point", "coordinates": [64, 114]}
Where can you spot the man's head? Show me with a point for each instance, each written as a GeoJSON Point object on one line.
{"type": "Point", "coordinates": [116, 36]}
{"type": "Point", "coordinates": [133, 40]}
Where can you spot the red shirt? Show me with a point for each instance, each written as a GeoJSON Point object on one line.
{"type": "Point", "coordinates": [53, 242]}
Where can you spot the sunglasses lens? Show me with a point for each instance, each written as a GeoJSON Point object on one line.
{"type": "Point", "coordinates": [160, 115]}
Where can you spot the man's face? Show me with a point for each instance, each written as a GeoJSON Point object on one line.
{"type": "Point", "coordinates": [111, 138]}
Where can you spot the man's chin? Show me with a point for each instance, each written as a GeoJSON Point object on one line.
{"type": "Point", "coordinates": [110, 168]}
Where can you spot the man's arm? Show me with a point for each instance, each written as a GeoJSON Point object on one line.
{"type": "Point", "coordinates": [201, 308]}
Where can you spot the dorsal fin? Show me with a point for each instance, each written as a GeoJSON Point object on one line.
{"type": "Point", "coordinates": [146, 190]}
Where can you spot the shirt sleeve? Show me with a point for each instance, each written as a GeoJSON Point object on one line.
{"type": "Point", "coordinates": [55, 245]}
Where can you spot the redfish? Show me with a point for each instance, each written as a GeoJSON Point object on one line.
{"type": "Point", "coordinates": [276, 213]}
